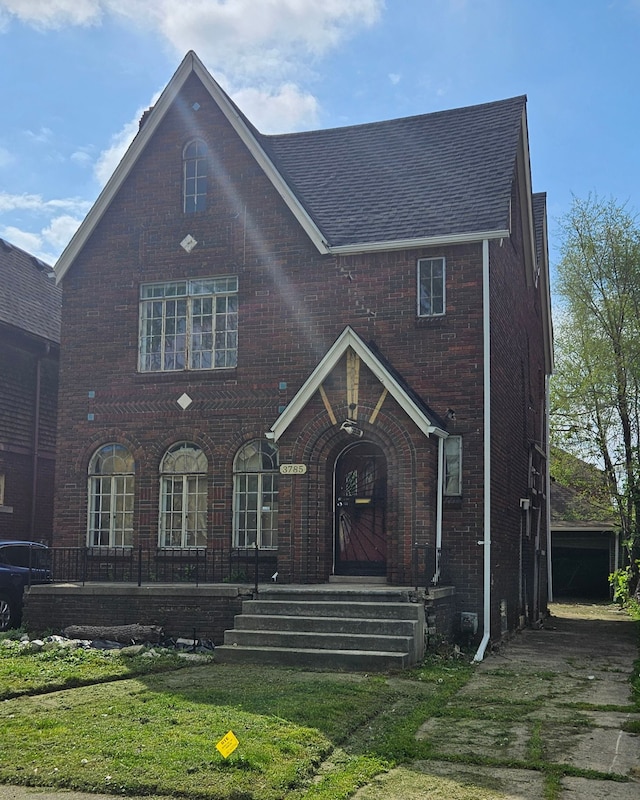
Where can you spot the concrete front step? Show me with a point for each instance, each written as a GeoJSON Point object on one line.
{"type": "Point", "coordinates": [333, 608]}
{"type": "Point", "coordinates": [283, 622]}
{"type": "Point", "coordinates": [351, 628]}
{"type": "Point", "coordinates": [360, 660]}
{"type": "Point", "coordinates": [306, 640]}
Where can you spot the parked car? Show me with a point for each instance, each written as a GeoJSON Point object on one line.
{"type": "Point", "coordinates": [22, 564]}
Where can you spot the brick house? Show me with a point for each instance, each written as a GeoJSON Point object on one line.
{"type": "Point", "coordinates": [332, 344]}
{"type": "Point", "coordinates": [30, 305]}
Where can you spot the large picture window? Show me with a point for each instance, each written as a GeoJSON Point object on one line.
{"type": "Point", "coordinates": [189, 325]}
{"type": "Point", "coordinates": [111, 478]}
{"type": "Point", "coordinates": [431, 287]}
{"type": "Point", "coordinates": [255, 497]}
{"type": "Point", "coordinates": [183, 497]}
{"type": "Point", "coordinates": [196, 168]}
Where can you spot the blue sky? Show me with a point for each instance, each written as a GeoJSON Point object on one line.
{"type": "Point", "coordinates": [77, 74]}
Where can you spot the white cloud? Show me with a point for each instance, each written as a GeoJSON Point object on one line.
{"type": "Point", "coordinates": [47, 243]}
{"type": "Point", "coordinates": [265, 43]}
{"type": "Point", "coordinates": [52, 13]}
{"type": "Point", "coordinates": [109, 159]}
{"type": "Point", "coordinates": [287, 109]}
{"type": "Point", "coordinates": [41, 137]}
{"type": "Point", "coordinates": [395, 78]}
{"type": "Point", "coordinates": [51, 223]}
{"type": "Point", "coordinates": [35, 203]}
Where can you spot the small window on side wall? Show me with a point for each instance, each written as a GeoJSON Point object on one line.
{"type": "Point", "coordinates": [195, 165]}
{"type": "Point", "coordinates": [431, 287]}
{"type": "Point", "coordinates": [453, 466]}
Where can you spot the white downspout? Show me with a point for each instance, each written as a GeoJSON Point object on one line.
{"type": "Point", "coordinates": [548, 489]}
{"type": "Point", "coordinates": [486, 542]}
{"type": "Point", "coordinates": [436, 576]}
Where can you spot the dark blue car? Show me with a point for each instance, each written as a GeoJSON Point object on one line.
{"type": "Point", "coordinates": [22, 564]}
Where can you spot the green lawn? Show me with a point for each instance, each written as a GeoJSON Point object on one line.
{"type": "Point", "coordinates": [301, 734]}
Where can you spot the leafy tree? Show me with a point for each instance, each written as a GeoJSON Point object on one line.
{"type": "Point", "coordinates": [596, 389]}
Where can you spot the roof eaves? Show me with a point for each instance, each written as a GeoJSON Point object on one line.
{"type": "Point", "coordinates": [350, 339]}
{"type": "Point", "coordinates": [425, 241]}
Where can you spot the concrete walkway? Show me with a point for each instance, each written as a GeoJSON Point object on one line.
{"type": "Point", "coordinates": [559, 695]}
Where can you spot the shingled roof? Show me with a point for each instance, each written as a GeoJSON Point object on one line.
{"type": "Point", "coordinates": [411, 182]}
{"type": "Point", "coordinates": [432, 175]}
{"type": "Point", "coordinates": [29, 301]}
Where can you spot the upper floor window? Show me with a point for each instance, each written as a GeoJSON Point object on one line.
{"type": "Point", "coordinates": [111, 475]}
{"type": "Point", "coordinates": [453, 466]}
{"type": "Point", "coordinates": [431, 287]}
{"type": "Point", "coordinates": [196, 164]}
{"type": "Point", "coordinates": [183, 497]}
{"type": "Point", "coordinates": [189, 324]}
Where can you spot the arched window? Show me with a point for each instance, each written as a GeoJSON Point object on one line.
{"type": "Point", "coordinates": [183, 497]}
{"type": "Point", "coordinates": [255, 495]}
{"type": "Point", "coordinates": [195, 164]}
{"type": "Point", "coordinates": [111, 478]}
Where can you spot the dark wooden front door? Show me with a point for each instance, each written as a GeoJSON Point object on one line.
{"type": "Point", "coordinates": [361, 493]}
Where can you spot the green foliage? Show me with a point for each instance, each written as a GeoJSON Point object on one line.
{"type": "Point", "coordinates": [621, 581]}
{"type": "Point", "coordinates": [596, 389]}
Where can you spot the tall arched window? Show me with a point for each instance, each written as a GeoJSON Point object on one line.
{"type": "Point", "coordinates": [183, 497]}
{"type": "Point", "coordinates": [195, 164]}
{"type": "Point", "coordinates": [255, 495]}
{"type": "Point", "coordinates": [111, 478]}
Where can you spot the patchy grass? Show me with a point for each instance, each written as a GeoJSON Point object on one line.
{"type": "Point", "coordinates": [313, 735]}
{"type": "Point", "coordinates": [22, 672]}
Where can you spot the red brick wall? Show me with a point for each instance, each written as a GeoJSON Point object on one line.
{"type": "Point", "coordinates": [293, 304]}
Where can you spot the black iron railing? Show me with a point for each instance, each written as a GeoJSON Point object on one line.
{"type": "Point", "coordinates": [425, 565]}
{"type": "Point", "coordinates": [161, 565]}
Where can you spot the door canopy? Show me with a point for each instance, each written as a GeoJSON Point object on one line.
{"type": "Point", "coordinates": [356, 352]}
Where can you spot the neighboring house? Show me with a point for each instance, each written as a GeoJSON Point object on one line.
{"type": "Point", "coordinates": [30, 304]}
{"type": "Point", "coordinates": [332, 344]}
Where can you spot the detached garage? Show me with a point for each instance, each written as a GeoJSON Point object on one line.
{"type": "Point", "coordinates": [585, 541]}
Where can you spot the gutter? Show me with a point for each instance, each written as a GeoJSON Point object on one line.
{"type": "Point", "coordinates": [486, 542]}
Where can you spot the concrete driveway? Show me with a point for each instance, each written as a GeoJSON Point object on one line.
{"type": "Point", "coordinates": [558, 696]}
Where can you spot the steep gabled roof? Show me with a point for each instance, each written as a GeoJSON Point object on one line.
{"type": "Point", "coordinates": [29, 301]}
{"type": "Point", "coordinates": [430, 179]}
{"type": "Point", "coordinates": [434, 175]}
{"type": "Point", "coordinates": [424, 418]}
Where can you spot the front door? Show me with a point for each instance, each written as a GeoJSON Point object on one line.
{"type": "Point", "coordinates": [361, 493]}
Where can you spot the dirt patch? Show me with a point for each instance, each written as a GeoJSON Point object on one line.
{"type": "Point", "coordinates": [444, 781]}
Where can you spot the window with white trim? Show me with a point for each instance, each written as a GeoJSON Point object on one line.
{"type": "Point", "coordinates": [255, 495]}
{"type": "Point", "coordinates": [196, 168]}
{"type": "Point", "coordinates": [453, 466]}
{"type": "Point", "coordinates": [189, 325]}
{"type": "Point", "coordinates": [110, 502]}
{"type": "Point", "coordinates": [183, 497]}
{"type": "Point", "coordinates": [431, 287]}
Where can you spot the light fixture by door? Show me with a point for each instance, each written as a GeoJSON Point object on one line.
{"type": "Point", "coordinates": [350, 427]}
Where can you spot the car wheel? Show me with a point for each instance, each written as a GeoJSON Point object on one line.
{"type": "Point", "coordinates": [7, 613]}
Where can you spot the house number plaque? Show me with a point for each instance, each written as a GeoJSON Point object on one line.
{"type": "Point", "coordinates": [293, 469]}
